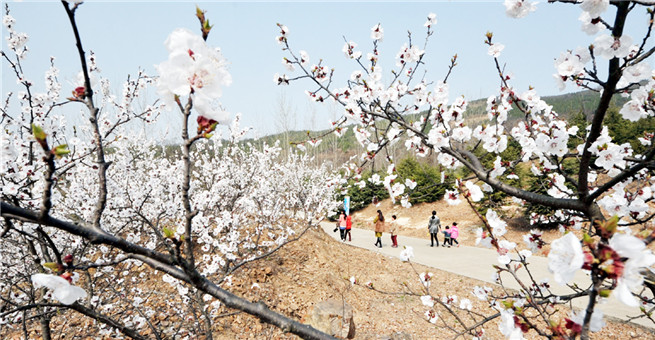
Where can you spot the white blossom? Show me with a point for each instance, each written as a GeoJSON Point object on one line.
{"type": "Point", "coordinates": [519, 8]}
{"type": "Point", "coordinates": [638, 258]}
{"type": "Point", "coordinates": [474, 191]}
{"type": "Point", "coordinates": [594, 7]}
{"type": "Point", "coordinates": [427, 300]}
{"type": "Point", "coordinates": [195, 69]}
{"type": "Point", "coordinates": [466, 304]}
{"type": "Point", "coordinates": [407, 253]}
{"type": "Point", "coordinates": [597, 322]}
{"type": "Point", "coordinates": [482, 293]}
{"type": "Point", "coordinates": [377, 33]}
{"type": "Point", "coordinates": [565, 258]}
{"type": "Point", "coordinates": [507, 325]}
{"type": "Point", "coordinates": [610, 47]}
{"type": "Point", "coordinates": [432, 20]}
{"type": "Point", "coordinates": [63, 291]}
{"type": "Point", "coordinates": [495, 49]}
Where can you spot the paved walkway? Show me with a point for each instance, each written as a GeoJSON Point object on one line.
{"type": "Point", "coordinates": [477, 262]}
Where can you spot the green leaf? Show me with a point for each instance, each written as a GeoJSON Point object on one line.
{"type": "Point", "coordinates": [38, 132]}
{"type": "Point", "coordinates": [608, 228]}
{"type": "Point", "coordinates": [586, 239]}
{"type": "Point", "coordinates": [199, 12]}
{"type": "Point", "coordinates": [51, 265]}
{"type": "Point", "coordinates": [206, 26]}
{"type": "Point", "coordinates": [168, 232]}
{"type": "Point", "coordinates": [61, 150]}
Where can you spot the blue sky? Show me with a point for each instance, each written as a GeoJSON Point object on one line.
{"type": "Point", "coordinates": [129, 35]}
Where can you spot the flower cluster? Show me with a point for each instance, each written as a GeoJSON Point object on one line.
{"type": "Point", "coordinates": [408, 55]}
{"type": "Point", "coordinates": [16, 41]}
{"type": "Point", "coordinates": [533, 240]}
{"type": "Point", "coordinates": [193, 69]}
{"type": "Point", "coordinates": [349, 50]}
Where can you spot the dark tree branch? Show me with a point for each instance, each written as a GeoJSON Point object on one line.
{"type": "Point", "coordinates": [93, 119]}
{"type": "Point", "coordinates": [165, 264]}
{"type": "Point", "coordinates": [614, 75]}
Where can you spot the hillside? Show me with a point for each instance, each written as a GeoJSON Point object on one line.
{"type": "Point", "coordinates": [317, 268]}
{"type": "Point", "coordinates": [565, 105]}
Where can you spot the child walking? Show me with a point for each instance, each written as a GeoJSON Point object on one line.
{"type": "Point", "coordinates": [393, 227]}
{"type": "Point", "coordinates": [454, 234]}
{"type": "Point", "coordinates": [447, 240]}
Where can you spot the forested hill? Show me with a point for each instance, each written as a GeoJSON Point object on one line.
{"type": "Point", "coordinates": [566, 105]}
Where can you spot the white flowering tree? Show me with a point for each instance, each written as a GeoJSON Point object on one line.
{"type": "Point", "coordinates": [91, 218]}
{"type": "Point", "coordinates": [610, 189]}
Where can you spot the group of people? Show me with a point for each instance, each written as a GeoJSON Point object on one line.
{"type": "Point", "coordinates": [450, 232]}
{"type": "Point", "coordinates": [345, 224]}
{"type": "Point", "coordinates": [380, 227]}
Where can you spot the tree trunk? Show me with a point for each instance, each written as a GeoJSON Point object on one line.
{"type": "Point", "coordinates": [45, 328]}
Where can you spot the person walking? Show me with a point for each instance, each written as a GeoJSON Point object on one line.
{"type": "Point", "coordinates": [379, 228]}
{"type": "Point", "coordinates": [349, 226]}
{"type": "Point", "coordinates": [393, 229]}
{"type": "Point", "coordinates": [454, 233]}
{"type": "Point", "coordinates": [447, 241]}
{"type": "Point", "coordinates": [434, 224]}
{"type": "Point", "coordinates": [342, 226]}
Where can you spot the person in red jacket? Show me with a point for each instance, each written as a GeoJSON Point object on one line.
{"type": "Point", "coordinates": [349, 225]}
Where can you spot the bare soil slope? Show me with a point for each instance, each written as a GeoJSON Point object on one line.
{"type": "Point", "coordinates": [317, 268]}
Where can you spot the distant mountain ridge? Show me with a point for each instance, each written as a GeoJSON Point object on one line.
{"type": "Point", "coordinates": [565, 105]}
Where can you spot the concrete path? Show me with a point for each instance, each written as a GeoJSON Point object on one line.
{"type": "Point", "coordinates": [477, 263]}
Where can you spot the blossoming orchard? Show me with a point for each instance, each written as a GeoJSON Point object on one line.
{"type": "Point", "coordinates": [90, 215]}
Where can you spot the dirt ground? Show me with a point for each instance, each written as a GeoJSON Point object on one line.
{"type": "Point", "coordinates": [317, 268]}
